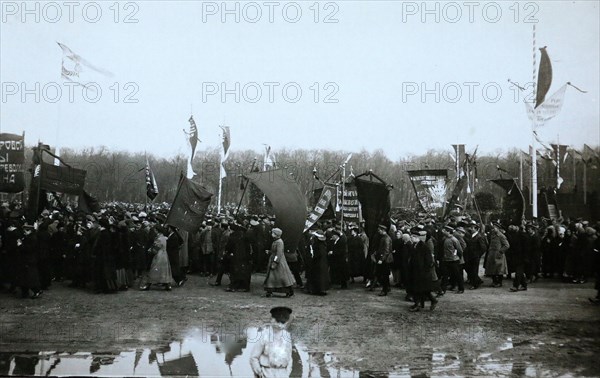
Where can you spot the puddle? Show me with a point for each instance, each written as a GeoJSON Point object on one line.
{"type": "Point", "coordinates": [228, 356]}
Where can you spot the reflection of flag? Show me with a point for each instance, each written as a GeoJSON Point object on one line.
{"type": "Point", "coordinates": [226, 144]}
{"type": "Point", "coordinates": [189, 206]}
{"type": "Point", "coordinates": [151, 186]}
{"type": "Point", "coordinates": [72, 66]}
{"type": "Point", "coordinates": [544, 77]}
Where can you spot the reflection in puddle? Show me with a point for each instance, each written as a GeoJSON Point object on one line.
{"type": "Point", "coordinates": [229, 355]}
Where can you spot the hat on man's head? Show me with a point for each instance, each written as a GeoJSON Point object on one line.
{"type": "Point", "coordinates": [277, 232]}
{"type": "Point", "coordinates": [448, 229]}
{"type": "Point", "coordinates": [382, 227]}
{"type": "Point", "coordinates": [281, 313]}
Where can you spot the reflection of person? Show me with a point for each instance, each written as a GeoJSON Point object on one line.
{"type": "Point", "coordinates": [272, 354]}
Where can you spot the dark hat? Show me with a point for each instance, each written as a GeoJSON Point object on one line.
{"type": "Point", "coordinates": [496, 223]}
{"type": "Point", "coordinates": [448, 229]}
{"type": "Point", "coordinates": [418, 231]}
{"type": "Point", "coordinates": [280, 310]}
{"type": "Point", "coordinates": [461, 229]}
{"type": "Point", "coordinates": [382, 227]}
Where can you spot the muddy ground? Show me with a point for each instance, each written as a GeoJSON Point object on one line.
{"type": "Point", "coordinates": [551, 329]}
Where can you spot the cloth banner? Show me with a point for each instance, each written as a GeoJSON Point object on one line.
{"type": "Point", "coordinates": [430, 188]}
{"type": "Point", "coordinates": [189, 206]}
{"type": "Point", "coordinates": [327, 194]}
{"type": "Point", "coordinates": [513, 205]}
{"type": "Point", "coordinates": [12, 159]}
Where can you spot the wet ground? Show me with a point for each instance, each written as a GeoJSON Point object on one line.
{"type": "Point", "coordinates": [549, 330]}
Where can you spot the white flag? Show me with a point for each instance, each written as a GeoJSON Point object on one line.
{"type": "Point", "coordinates": [548, 109]}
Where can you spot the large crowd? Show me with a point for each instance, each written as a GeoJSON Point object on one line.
{"type": "Point", "coordinates": [125, 246]}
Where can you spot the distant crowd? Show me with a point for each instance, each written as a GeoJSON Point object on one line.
{"type": "Point", "coordinates": [123, 247]}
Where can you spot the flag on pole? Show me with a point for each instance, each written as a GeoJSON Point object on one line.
{"type": "Point", "coordinates": [192, 137]}
{"type": "Point", "coordinates": [269, 161]}
{"type": "Point", "coordinates": [544, 77]}
{"type": "Point", "coordinates": [226, 143]}
{"type": "Point", "coordinates": [151, 186]}
{"type": "Point", "coordinates": [189, 206]}
{"type": "Point", "coordinates": [548, 109]}
{"type": "Point", "coordinates": [72, 67]}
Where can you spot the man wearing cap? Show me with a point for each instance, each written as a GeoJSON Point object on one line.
{"type": "Point", "coordinates": [421, 267]}
{"type": "Point", "coordinates": [476, 247]}
{"type": "Point", "coordinates": [495, 263]}
{"type": "Point", "coordinates": [279, 277]}
{"type": "Point", "coordinates": [383, 258]}
{"type": "Point", "coordinates": [272, 352]}
{"type": "Point", "coordinates": [451, 255]}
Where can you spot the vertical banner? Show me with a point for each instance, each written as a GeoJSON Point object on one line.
{"type": "Point", "coordinates": [351, 204]}
{"type": "Point", "coordinates": [430, 188]}
{"type": "Point", "coordinates": [327, 195]}
{"type": "Point", "coordinates": [12, 159]}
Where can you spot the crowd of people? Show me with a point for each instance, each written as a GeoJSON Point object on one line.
{"type": "Point", "coordinates": [123, 247]}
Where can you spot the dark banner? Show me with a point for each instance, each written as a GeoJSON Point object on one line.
{"type": "Point", "coordinates": [430, 188]}
{"type": "Point", "coordinates": [513, 204]}
{"type": "Point", "coordinates": [12, 159]}
{"type": "Point", "coordinates": [60, 179]}
{"type": "Point", "coordinates": [327, 193]}
{"type": "Point", "coordinates": [289, 203]}
{"type": "Point", "coordinates": [350, 205]}
{"type": "Point", "coordinates": [87, 203]}
{"type": "Point", "coordinates": [189, 206]}
{"type": "Point", "coordinates": [374, 197]}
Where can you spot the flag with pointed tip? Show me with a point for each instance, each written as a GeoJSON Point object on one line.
{"type": "Point", "coordinates": [72, 67]}
{"type": "Point", "coordinates": [226, 144]}
{"type": "Point", "coordinates": [544, 77]}
{"type": "Point", "coordinates": [269, 161]}
{"type": "Point", "coordinates": [151, 186]}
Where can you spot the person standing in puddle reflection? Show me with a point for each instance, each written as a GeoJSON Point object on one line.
{"type": "Point", "coordinates": [272, 354]}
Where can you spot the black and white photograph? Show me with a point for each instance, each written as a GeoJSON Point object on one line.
{"type": "Point", "coordinates": [307, 188]}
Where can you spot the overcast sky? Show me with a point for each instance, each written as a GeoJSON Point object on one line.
{"type": "Point", "coordinates": [371, 67]}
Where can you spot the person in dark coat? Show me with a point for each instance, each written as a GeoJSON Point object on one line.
{"type": "Point", "coordinates": [382, 259]}
{"type": "Point", "coordinates": [104, 271]}
{"type": "Point", "coordinates": [534, 242]}
{"type": "Point", "coordinates": [318, 270]}
{"type": "Point", "coordinates": [28, 276]}
{"type": "Point", "coordinates": [476, 247]}
{"type": "Point", "coordinates": [356, 255]}
{"type": "Point", "coordinates": [421, 266]}
{"type": "Point", "coordinates": [174, 242]}
{"type": "Point", "coordinates": [338, 255]}
{"type": "Point", "coordinates": [240, 257]}
{"type": "Point", "coordinates": [521, 256]}
{"type": "Point", "coordinates": [548, 252]}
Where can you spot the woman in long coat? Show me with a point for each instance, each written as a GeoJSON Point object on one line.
{"type": "Point", "coordinates": [356, 256]}
{"type": "Point", "coordinates": [318, 279]}
{"type": "Point", "coordinates": [160, 270]}
{"type": "Point", "coordinates": [279, 276]}
{"type": "Point", "coordinates": [495, 263]}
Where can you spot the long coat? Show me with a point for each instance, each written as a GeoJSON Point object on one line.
{"type": "Point", "coordinates": [239, 248]}
{"type": "Point", "coordinates": [29, 275]}
{"type": "Point", "coordinates": [356, 256]}
{"type": "Point", "coordinates": [338, 267]}
{"type": "Point", "coordinates": [318, 281]}
{"type": "Point", "coordinates": [495, 264]}
{"type": "Point", "coordinates": [279, 275]}
{"type": "Point", "coordinates": [420, 267]}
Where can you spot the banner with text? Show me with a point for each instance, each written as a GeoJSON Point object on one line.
{"type": "Point", "coordinates": [322, 204]}
{"type": "Point", "coordinates": [12, 158]}
{"type": "Point", "coordinates": [430, 188]}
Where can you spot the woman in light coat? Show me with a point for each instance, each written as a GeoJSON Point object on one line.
{"type": "Point", "coordinates": [279, 276]}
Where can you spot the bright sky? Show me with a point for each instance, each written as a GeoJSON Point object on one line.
{"type": "Point", "coordinates": [378, 59]}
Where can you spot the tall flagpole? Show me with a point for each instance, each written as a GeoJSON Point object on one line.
{"type": "Point", "coordinates": [220, 183]}
{"type": "Point", "coordinates": [534, 194]}
{"type": "Point", "coordinates": [521, 169]}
